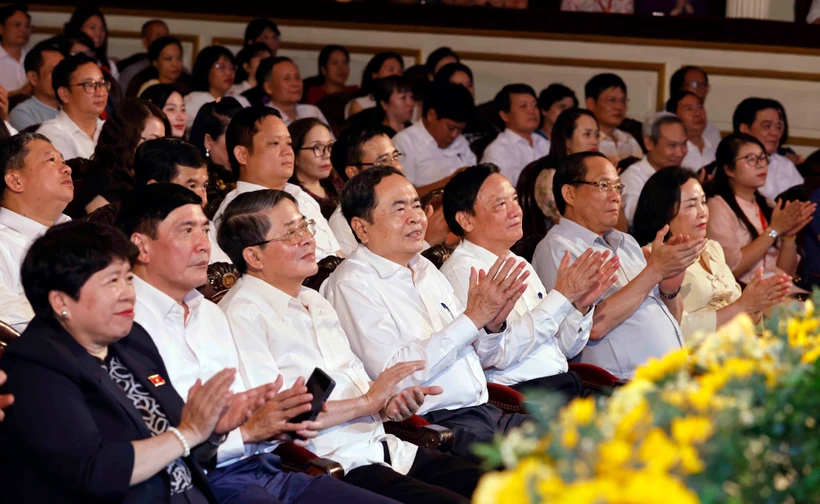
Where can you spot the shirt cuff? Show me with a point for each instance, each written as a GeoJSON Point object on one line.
{"type": "Point", "coordinates": [556, 306]}
{"type": "Point", "coordinates": [462, 331]}
{"type": "Point", "coordinates": [232, 449]}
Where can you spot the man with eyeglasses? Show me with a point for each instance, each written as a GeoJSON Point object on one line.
{"type": "Point", "coordinates": [665, 139]}
{"type": "Point", "coordinates": [606, 98]}
{"type": "Point", "coordinates": [695, 80]}
{"type": "Point", "coordinates": [82, 90]}
{"type": "Point", "coordinates": [261, 156]}
{"type": "Point", "coordinates": [763, 119]}
{"type": "Point", "coordinates": [359, 148]}
{"type": "Point", "coordinates": [637, 317]}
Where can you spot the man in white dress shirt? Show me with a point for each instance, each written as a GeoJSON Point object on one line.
{"type": "Point", "coordinates": [35, 189]}
{"type": "Point", "coordinates": [283, 85]}
{"type": "Point", "coordinates": [518, 145]}
{"type": "Point", "coordinates": [173, 161]}
{"type": "Point", "coordinates": [260, 152]}
{"type": "Point", "coordinates": [395, 306]}
{"type": "Point", "coordinates": [192, 335]}
{"type": "Point", "coordinates": [82, 90]}
{"type": "Point", "coordinates": [434, 146]}
{"type": "Point", "coordinates": [665, 140]}
{"type": "Point", "coordinates": [549, 327]}
{"type": "Point", "coordinates": [605, 96]}
{"type": "Point", "coordinates": [760, 117]}
{"type": "Point", "coordinates": [283, 327]}
{"type": "Point", "coordinates": [15, 31]}
{"type": "Point", "coordinates": [43, 104]}
{"type": "Point", "coordinates": [695, 80]}
{"type": "Point", "coordinates": [689, 108]}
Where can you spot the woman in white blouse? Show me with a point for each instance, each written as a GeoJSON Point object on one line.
{"type": "Point", "coordinates": [711, 295]}
{"type": "Point", "coordinates": [212, 78]}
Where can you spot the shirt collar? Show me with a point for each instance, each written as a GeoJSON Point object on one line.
{"type": "Point", "coordinates": [70, 125]}
{"type": "Point", "coordinates": [42, 104]}
{"type": "Point", "coordinates": [514, 138]}
{"type": "Point", "coordinates": [613, 237]}
{"type": "Point", "coordinates": [479, 252]}
{"type": "Point", "coordinates": [243, 187]}
{"type": "Point", "coordinates": [161, 303]}
{"type": "Point", "coordinates": [384, 267]}
{"type": "Point", "coordinates": [29, 228]}
{"type": "Point", "coordinates": [646, 167]}
{"type": "Point", "coordinates": [425, 135]}
{"type": "Point", "coordinates": [5, 54]}
{"type": "Point", "coordinates": [277, 299]}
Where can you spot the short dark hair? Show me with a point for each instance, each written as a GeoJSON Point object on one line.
{"type": "Point", "coordinates": [439, 54]}
{"type": "Point", "coordinates": [161, 43]}
{"type": "Point", "coordinates": [652, 127]}
{"type": "Point", "coordinates": [447, 71]}
{"type": "Point", "coordinates": [555, 93]}
{"type": "Point", "coordinates": [600, 83]}
{"type": "Point", "coordinates": [245, 55]}
{"type": "Point", "coordinates": [147, 24]}
{"type": "Point", "coordinates": [450, 101]}
{"type": "Point", "coordinates": [461, 191]}
{"type": "Point", "coordinates": [384, 88]}
{"type": "Point", "coordinates": [158, 94]}
{"type": "Point", "coordinates": [34, 59]}
{"type": "Point", "coordinates": [324, 54]}
{"type": "Point", "coordinates": [572, 169]}
{"type": "Point", "coordinates": [678, 80]}
{"type": "Point", "coordinates": [659, 202]}
{"type": "Point", "coordinates": [64, 71]}
{"type": "Point", "coordinates": [147, 206]}
{"type": "Point", "coordinates": [202, 65]}
{"type": "Point", "coordinates": [373, 66]}
{"type": "Point", "coordinates": [13, 152]}
{"type": "Point", "coordinates": [674, 100]}
{"type": "Point", "coordinates": [9, 10]}
{"type": "Point", "coordinates": [243, 223]}
{"type": "Point", "coordinates": [159, 160]}
{"type": "Point", "coordinates": [264, 71]}
{"type": "Point", "coordinates": [503, 99]}
{"type": "Point", "coordinates": [243, 127]}
{"type": "Point", "coordinates": [256, 27]}
{"type": "Point", "coordinates": [358, 196]}
{"type": "Point", "coordinates": [746, 111]}
{"type": "Point", "coordinates": [213, 119]}
{"type": "Point", "coordinates": [347, 150]}
{"type": "Point", "coordinates": [66, 256]}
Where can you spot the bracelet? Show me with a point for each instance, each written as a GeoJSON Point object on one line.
{"type": "Point", "coordinates": [185, 447]}
{"type": "Point", "coordinates": [672, 295]}
{"type": "Point", "coordinates": [788, 238]}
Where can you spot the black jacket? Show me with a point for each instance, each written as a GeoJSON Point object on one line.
{"type": "Point", "coordinates": [67, 437]}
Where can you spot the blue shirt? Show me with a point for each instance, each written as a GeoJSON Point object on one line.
{"type": "Point", "coordinates": [31, 112]}
{"type": "Point", "coordinates": [651, 330]}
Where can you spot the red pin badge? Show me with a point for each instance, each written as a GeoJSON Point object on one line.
{"type": "Point", "coordinates": [157, 380]}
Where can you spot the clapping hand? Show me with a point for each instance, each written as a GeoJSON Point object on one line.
{"type": "Point", "coordinates": [587, 279]}
{"type": "Point", "coordinates": [271, 420]}
{"type": "Point", "coordinates": [406, 403]}
{"type": "Point", "coordinates": [493, 295]}
{"type": "Point", "coordinates": [671, 259]}
{"type": "Point", "coordinates": [205, 405]}
{"type": "Point", "coordinates": [381, 389]}
{"type": "Point", "coordinates": [242, 406]}
{"type": "Point", "coordinates": [760, 293]}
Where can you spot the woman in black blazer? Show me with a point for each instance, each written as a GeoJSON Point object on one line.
{"type": "Point", "coordinates": [94, 411]}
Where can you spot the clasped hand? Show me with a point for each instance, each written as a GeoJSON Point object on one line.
{"type": "Point", "coordinates": [588, 277]}
{"type": "Point", "coordinates": [493, 295]}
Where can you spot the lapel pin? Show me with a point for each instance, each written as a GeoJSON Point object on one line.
{"type": "Point", "coordinates": [157, 380]}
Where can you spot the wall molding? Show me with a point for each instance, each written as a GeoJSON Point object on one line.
{"type": "Point", "coordinates": [658, 68]}
{"type": "Point", "coordinates": [183, 37]}
{"type": "Point", "coordinates": [311, 46]}
{"type": "Point", "coordinates": [760, 73]}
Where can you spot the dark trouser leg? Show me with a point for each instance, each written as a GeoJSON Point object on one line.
{"type": "Point", "coordinates": [569, 384]}
{"type": "Point", "coordinates": [476, 424]}
{"type": "Point", "coordinates": [326, 489]}
{"type": "Point", "coordinates": [385, 481]}
{"type": "Point", "coordinates": [447, 471]}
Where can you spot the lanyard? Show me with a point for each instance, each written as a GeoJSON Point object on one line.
{"type": "Point", "coordinates": [606, 9]}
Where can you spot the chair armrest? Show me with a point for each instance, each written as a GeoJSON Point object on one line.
{"type": "Point", "coordinates": [596, 378]}
{"type": "Point", "coordinates": [505, 398]}
{"type": "Point", "coordinates": [418, 431]}
{"type": "Point", "coordinates": [298, 459]}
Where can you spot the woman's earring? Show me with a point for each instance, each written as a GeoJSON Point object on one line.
{"type": "Point", "coordinates": [207, 153]}
{"type": "Point", "coordinates": [63, 314]}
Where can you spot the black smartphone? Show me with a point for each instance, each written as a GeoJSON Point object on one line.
{"type": "Point", "coordinates": [320, 385]}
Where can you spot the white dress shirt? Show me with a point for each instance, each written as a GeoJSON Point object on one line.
{"type": "Point", "coordinates": [620, 145]}
{"type": "Point", "coordinates": [545, 325]}
{"type": "Point", "coordinates": [512, 153]}
{"type": "Point", "coordinates": [326, 243]}
{"type": "Point", "coordinates": [17, 233]}
{"type": "Point", "coordinates": [12, 73]}
{"type": "Point", "coordinates": [782, 175]}
{"type": "Point", "coordinates": [712, 134]}
{"type": "Point", "coordinates": [278, 334]}
{"type": "Point", "coordinates": [303, 110]}
{"type": "Point", "coordinates": [695, 158]}
{"type": "Point", "coordinates": [342, 231]}
{"type": "Point", "coordinates": [425, 162]}
{"type": "Point", "coordinates": [394, 314]}
{"type": "Point", "coordinates": [217, 254]}
{"type": "Point", "coordinates": [68, 138]}
{"type": "Point", "coordinates": [196, 99]}
{"type": "Point", "coordinates": [634, 178]}
{"type": "Point", "coordinates": [194, 349]}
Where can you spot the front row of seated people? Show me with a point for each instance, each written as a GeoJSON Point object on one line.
{"type": "Point", "coordinates": [398, 336]}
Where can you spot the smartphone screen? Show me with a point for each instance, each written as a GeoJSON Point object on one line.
{"type": "Point", "coordinates": [320, 385]}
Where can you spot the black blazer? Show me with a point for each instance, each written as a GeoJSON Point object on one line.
{"type": "Point", "coordinates": [67, 437]}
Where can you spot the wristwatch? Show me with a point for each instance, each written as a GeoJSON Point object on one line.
{"type": "Point", "coordinates": [773, 234]}
{"type": "Point", "coordinates": [671, 295]}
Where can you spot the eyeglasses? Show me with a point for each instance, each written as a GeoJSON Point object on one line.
{"type": "Point", "coordinates": [223, 66]}
{"type": "Point", "coordinates": [697, 84]}
{"type": "Point", "coordinates": [390, 159]}
{"type": "Point", "coordinates": [294, 236]}
{"type": "Point", "coordinates": [612, 101]}
{"type": "Point", "coordinates": [91, 87]}
{"type": "Point", "coordinates": [319, 150]}
{"type": "Point", "coordinates": [604, 186]}
{"type": "Point", "coordinates": [755, 160]}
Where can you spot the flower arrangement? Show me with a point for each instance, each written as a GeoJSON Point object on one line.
{"type": "Point", "coordinates": [732, 419]}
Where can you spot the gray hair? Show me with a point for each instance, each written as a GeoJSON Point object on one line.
{"type": "Point", "coordinates": [652, 125]}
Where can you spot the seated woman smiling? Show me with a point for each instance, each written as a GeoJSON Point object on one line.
{"type": "Point", "coordinates": [95, 417]}
{"type": "Point", "coordinates": [711, 295]}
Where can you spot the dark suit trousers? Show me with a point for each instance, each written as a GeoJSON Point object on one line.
{"type": "Point", "coordinates": [569, 384]}
{"type": "Point", "coordinates": [475, 424]}
{"type": "Point", "coordinates": [260, 479]}
{"type": "Point", "coordinates": [434, 478]}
